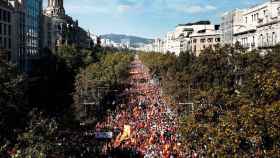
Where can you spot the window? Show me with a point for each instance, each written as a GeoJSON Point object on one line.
{"type": "Point", "coordinates": [5, 29]}
{"type": "Point", "coordinates": [217, 40]}
{"type": "Point", "coordinates": [9, 30]}
{"type": "Point", "coordinates": [9, 16]}
{"type": "Point", "coordinates": [261, 39]}
{"type": "Point", "coordinates": [1, 12]}
{"type": "Point", "coordinates": [194, 40]}
{"type": "Point", "coordinates": [278, 11]}
{"type": "Point", "coordinates": [1, 25]}
{"type": "Point", "coordinates": [202, 40]}
{"type": "Point", "coordinates": [10, 43]}
{"type": "Point", "coordinates": [4, 16]}
{"type": "Point", "coordinates": [273, 38]}
{"type": "Point", "coordinates": [246, 20]}
{"type": "Point", "coordinates": [267, 38]}
{"type": "Point", "coordinates": [5, 43]}
{"type": "Point", "coordinates": [210, 40]}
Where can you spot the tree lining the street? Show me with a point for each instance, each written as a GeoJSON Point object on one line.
{"type": "Point", "coordinates": [13, 105]}
{"type": "Point", "coordinates": [52, 97]}
{"type": "Point", "coordinates": [236, 96]}
{"type": "Point", "coordinates": [100, 79]}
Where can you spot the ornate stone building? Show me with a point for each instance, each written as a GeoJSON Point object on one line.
{"type": "Point", "coordinates": [60, 29]}
{"type": "Point", "coordinates": [254, 28]}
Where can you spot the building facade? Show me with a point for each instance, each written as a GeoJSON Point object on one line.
{"type": "Point", "coordinates": [254, 28]}
{"type": "Point", "coordinates": [158, 45]}
{"type": "Point", "coordinates": [207, 38]}
{"type": "Point", "coordinates": [58, 28]}
{"type": "Point", "coordinates": [268, 26]}
{"type": "Point", "coordinates": [172, 43]}
{"type": "Point", "coordinates": [190, 37]}
{"type": "Point", "coordinates": [6, 30]}
{"type": "Point", "coordinates": [27, 17]}
{"type": "Point", "coordinates": [180, 40]}
{"type": "Point", "coordinates": [230, 21]}
{"type": "Point", "coordinates": [33, 19]}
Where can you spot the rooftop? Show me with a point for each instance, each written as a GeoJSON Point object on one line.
{"type": "Point", "coordinates": [207, 22]}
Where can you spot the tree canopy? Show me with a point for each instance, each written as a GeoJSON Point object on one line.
{"type": "Point", "coordinates": [236, 99]}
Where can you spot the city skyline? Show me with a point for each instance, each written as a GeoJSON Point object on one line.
{"type": "Point", "coordinates": [146, 18]}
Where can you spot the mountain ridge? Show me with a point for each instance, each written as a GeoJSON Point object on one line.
{"type": "Point", "coordinates": [135, 41]}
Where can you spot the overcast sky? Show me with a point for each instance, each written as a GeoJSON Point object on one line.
{"type": "Point", "coordinates": [147, 18]}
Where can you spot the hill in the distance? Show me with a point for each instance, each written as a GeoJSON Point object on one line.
{"type": "Point", "coordinates": [134, 40]}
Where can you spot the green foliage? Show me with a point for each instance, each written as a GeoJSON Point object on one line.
{"type": "Point", "coordinates": [95, 81]}
{"type": "Point", "coordinates": [70, 56]}
{"type": "Point", "coordinates": [74, 58]}
{"type": "Point", "coordinates": [12, 102]}
{"type": "Point", "coordinates": [242, 133]}
{"type": "Point", "coordinates": [10, 79]}
{"type": "Point", "coordinates": [236, 96]}
{"type": "Point", "coordinates": [39, 138]}
{"type": "Point", "coordinates": [157, 62]}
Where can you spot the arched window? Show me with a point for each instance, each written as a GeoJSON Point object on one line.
{"type": "Point", "coordinates": [267, 39]}
{"type": "Point", "coordinates": [261, 40]}
{"type": "Point", "coordinates": [273, 38]}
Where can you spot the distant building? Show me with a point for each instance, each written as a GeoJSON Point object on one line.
{"type": "Point", "coordinates": [172, 43]}
{"type": "Point", "coordinates": [185, 37]}
{"type": "Point", "coordinates": [230, 22]}
{"type": "Point", "coordinates": [158, 45]}
{"type": "Point", "coordinates": [206, 38]}
{"type": "Point", "coordinates": [180, 40]}
{"type": "Point", "coordinates": [106, 42]}
{"type": "Point", "coordinates": [125, 42]}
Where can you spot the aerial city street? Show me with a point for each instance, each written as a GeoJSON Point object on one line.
{"type": "Point", "coordinates": [139, 79]}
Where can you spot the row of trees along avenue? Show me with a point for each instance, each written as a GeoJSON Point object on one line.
{"type": "Point", "coordinates": [228, 99]}
{"type": "Point", "coordinates": [39, 115]}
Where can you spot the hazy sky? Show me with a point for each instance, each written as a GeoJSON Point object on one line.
{"type": "Point", "coordinates": [147, 18]}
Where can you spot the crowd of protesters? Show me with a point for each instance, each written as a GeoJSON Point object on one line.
{"type": "Point", "coordinates": [144, 124]}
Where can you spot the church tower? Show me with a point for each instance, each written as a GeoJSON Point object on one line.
{"type": "Point", "coordinates": [55, 8]}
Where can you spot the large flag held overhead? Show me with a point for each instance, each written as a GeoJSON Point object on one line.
{"type": "Point", "coordinates": [123, 136]}
{"type": "Point", "coordinates": [126, 133]}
